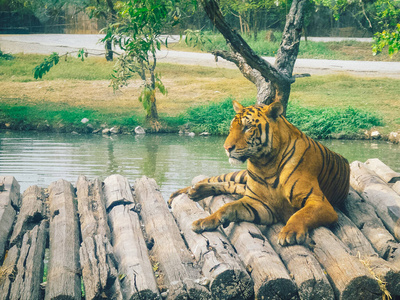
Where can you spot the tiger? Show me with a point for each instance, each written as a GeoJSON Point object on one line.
{"type": "Point", "coordinates": [289, 178]}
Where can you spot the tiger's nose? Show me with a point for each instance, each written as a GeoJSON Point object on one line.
{"type": "Point", "coordinates": [229, 148]}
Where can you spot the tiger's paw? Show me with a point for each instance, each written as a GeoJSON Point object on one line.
{"type": "Point", "coordinates": [292, 234]}
{"type": "Point", "coordinates": [176, 194]}
{"type": "Point", "coordinates": [199, 191]}
{"type": "Point", "coordinates": [207, 224]}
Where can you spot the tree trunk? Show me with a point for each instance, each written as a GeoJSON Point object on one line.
{"type": "Point", "coordinates": [278, 78]}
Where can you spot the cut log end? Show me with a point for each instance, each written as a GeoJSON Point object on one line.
{"type": "Point", "coordinates": [232, 284]}
{"type": "Point", "coordinates": [316, 289]}
{"type": "Point", "coordinates": [281, 288]}
{"type": "Point", "coordinates": [145, 294]}
{"type": "Point", "coordinates": [363, 288]}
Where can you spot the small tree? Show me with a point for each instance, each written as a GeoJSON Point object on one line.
{"type": "Point", "coordinates": [138, 33]}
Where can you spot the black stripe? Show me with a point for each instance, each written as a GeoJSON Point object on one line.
{"type": "Point", "coordinates": [234, 176]}
{"type": "Point", "coordinates": [257, 219]}
{"type": "Point", "coordinates": [306, 197]}
{"type": "Point", "coordinates": [291, 191]}
{"type": "Point", "coordinates": [299, 163]}
{"type": "Point", "coordinates": [243, 177]}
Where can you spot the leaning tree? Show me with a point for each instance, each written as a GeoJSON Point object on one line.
{"type": "Point", "coordinates": [273, 82]}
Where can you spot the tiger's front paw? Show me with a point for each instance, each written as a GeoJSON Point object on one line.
{"type": "Point", "coordinates": [210, 223]}
{"type": "Point", "coordinates": [292, 234]}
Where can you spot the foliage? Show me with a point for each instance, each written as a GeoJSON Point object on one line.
{"type": "Point", "coordinates": [6, 56]}
{"type": "Point", "coordinates": [381, 17]}
{"type": "Point", "coordinates": [52, 60]}
{"type": "Point", "coordinates": [331, 122]}
{"type": "Point", "coordinates": [46, 65]}
{"type": "Point", "coordinates": [138, 32]}
{"type": "Point", "coordinates": [318, 123]}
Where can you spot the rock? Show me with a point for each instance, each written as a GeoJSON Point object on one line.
{"type": "Point", "coordinates": [74, 132]}
{"type": "Point", "coordinates": [140, 130]}
{"type": "Point", "coordinates": [394, 137]}
{"type": "Point", "coordinates": [191, 134]}
{"type": "Point", "coordinates": [375, 134]}
{"type": "Point", "coordinates": [204, 133]}
{"type": "Point", "coordinates": [106, 131]}
{"type": "Point", "coordinates": [115, 130]}
{"type": "Point", "coordinates": [84, 120]}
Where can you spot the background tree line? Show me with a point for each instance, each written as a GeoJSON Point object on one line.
{"type": "Point", "coordinates": [136, 27]}
{"type": "Point", "coordinates": [323, 17]}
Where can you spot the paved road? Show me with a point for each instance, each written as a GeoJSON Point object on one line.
{"type": "Point", "coordinates": [62, 43]}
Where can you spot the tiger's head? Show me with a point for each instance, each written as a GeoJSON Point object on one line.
{"type": "Point", "coordinates": [249, 133]}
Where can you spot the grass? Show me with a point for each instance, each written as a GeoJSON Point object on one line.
{"type": "Point", "coordinates": [345, 50]}
{"type": "Point", "coordinates": [321, 123]}
{"type": "Point", "coordinates": [74, 90]}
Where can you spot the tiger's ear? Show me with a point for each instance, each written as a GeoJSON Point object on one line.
{"type": "Point", "coordinates": [237, 106]}
{"type": "Point", "coordinates": [275, 109]}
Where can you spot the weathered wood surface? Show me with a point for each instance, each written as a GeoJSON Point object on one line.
{"type": "Point", "coordinates": [376, 192]}
{"type": "Point", "coordinates": [7, 272]}
{"type": "Point", "coordinates": [179, 270]}
{"type": "Point", "coordinates": [302, 265]}
{"type": "Point", "coordinates": [9, 206]}
{"type": "Point", "coordinates": [33, 210]}
{"type": "Point", "coordinates": [134, 269]}
{"type": "Point", "coordinates": [363, 215]}
{"type": "Point", "coordinates": [28, 242]}
{"type": "Point", "coordinates": [29, 267]}
{"type": "Point", "coordinates": [271, 279]}
{"type": "Point", "coordinates": [97, 259]}
{"type": "Point", "coordinates": [63, 278]}
{"type": "Point", "coordinates": [396, 187]}
{"type": "Point", "coordinates": [350, 278]}
{"type": "Point", "coordinates": [382, 170]}
{"type": "Point", "coordinates": [358, 245]}
{"type": "Point", "coordinates": [221, 264]}
{"type": "Point", "coordinates": [168, 248]}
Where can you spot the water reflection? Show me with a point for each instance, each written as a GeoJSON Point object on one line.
{"type": "Point", "coordinates": [172, 160]}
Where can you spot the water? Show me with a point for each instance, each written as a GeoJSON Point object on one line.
{"type": "Point", "coordinates": [172, 160]}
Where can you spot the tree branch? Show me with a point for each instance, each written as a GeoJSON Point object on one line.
{"type": "Point", "coordinates": [289, 48]}
{"type": "Point", "coordinates": [240, 46]}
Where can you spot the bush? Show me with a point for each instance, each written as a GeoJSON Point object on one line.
{"type": "Point", "coordinates": [321, 123]}
{"type": "Point", "coordinates": [329, 122]}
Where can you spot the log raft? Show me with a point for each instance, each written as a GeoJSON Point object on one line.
{"type": "Point", "coordinates": [123, 242]}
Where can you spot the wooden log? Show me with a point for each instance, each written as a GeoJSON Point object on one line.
{"type": "Point", "coordinates": [376, 192]}
{"type": "Point", "coordinates": [382, 170]}
{"type": "Point", "coordinates": [97, 259]}
{"type": "Point", "coordinates": [363, 215]}
{"type": "Point", "coordinates": [271, 279]}
{"type": "Point", "coordinates": [396, 187]}
{"type": "Point", "coordinates": [63, 280]}
{"type": "Point", "coordinates": [221, 264]}
{"type": "Point", "coordinates": [7, 272]}
{"type": "Point", "coordinates": [385, 272]}
{"type": "Point", "coordinates": [33, 210]}
{"type": "Point", "coordinates": [30, 265]}
{"type": "Point", "coordinates": [349, 277]}
{"type": "Point", "coordinates": [9, 206]}
{"type": "Point", "coordinates": [118, 191]}
{"type": "Point", "coordinates": [134, 268]}
{"type": "Point", "coordinates": [29, 237]}
{"type": "Point", "coordinates": [175, 260]}
{"type": "Point", "coordinates": [302, 265]}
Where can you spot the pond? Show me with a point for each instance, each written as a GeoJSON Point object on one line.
{"type": "Point", "coordinates": [35, 158]}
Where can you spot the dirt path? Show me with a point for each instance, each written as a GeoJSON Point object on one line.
{"type": "Point", "coordinates": [62, 43]}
